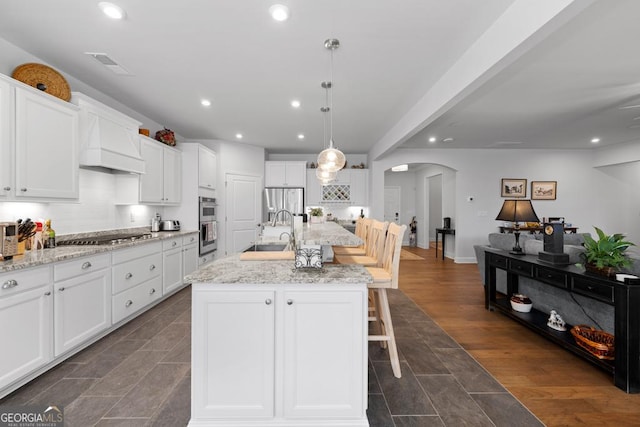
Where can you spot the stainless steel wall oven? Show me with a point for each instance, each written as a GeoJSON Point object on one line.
{"type": "Point", "coordinates": [208, 225]}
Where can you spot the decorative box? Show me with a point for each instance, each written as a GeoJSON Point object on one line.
{"type": "Point", "coordinates": [309, 256]}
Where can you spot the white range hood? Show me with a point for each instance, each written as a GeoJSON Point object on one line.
{"type": "Point", "coordinates": [108, 138]}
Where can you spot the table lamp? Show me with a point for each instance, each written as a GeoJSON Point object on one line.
{"type": "Point", "coordinates": [517, 211]}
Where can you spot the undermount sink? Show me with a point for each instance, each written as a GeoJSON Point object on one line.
{"type": "Point", "coordinates": [266, 247]}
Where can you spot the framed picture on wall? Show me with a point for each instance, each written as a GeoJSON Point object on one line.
{"type": "Point", "coordinates": [543, 190]}
{"type": "Point", "coordinates": [511, 187]}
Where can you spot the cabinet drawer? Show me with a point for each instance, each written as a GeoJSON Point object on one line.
{"type": "Point", "coordinates": [595, 290]}
{"type": "Point", "coordinates": [551, 277]}
{"type": "Point", "coordinates": [136, 271]}
{"type": "Point", "coordinates": [191, 238]}
{"type": "Point", "coordinates": [523, 268]}
{"type": "Point", "coordinates": [498, 260]}
{"type": "Point", "coordinates": [124, 255]}
{"type": "Point", "coordinates": [77, 267]}
{"type": "Point", "coordinates": [171, 243]}
{"type": "Point", "coordinates": [135, 299]}
{"type": "Point", "coordinates": [18, 281]}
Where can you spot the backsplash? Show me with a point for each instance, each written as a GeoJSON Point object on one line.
{"type": "Point", "coordinates": [94, 211]}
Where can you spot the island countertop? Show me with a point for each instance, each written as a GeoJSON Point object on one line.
{"type": "Point", "coordinates": [231, 270]}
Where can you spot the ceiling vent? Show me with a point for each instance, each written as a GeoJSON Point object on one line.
{"type": "Point", "coordinates": [109, 63]}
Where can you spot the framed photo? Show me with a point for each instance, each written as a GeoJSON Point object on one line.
{"type": "Point", "coordinates": [543, 190]}
{"type": "Point", "coordinates": [511, 187]}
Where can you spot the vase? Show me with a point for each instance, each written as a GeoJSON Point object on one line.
{"type": "Point", "coordinates": [604, 271]}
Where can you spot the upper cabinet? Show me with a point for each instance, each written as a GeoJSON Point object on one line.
{"type": "Point", "coordinates": [6, 140]}
{"type": "Point", "coordinates": [350, 187]}
{"type": "Point", "coordinates": [207, 168]}
{"type": "Point", "coordinates": [46, 146]}
{"type": "Point", "coordinates": [285, 174]}
{"type": "Point", "coordinates": [109, 138]}
{"type": "Point", "coordinates": [359, 187]}
{"type": "Point", "coordinates": [161, 184]}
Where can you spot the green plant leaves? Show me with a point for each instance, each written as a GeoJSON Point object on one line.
{"type": "Point", "coordinates": [607, 251]}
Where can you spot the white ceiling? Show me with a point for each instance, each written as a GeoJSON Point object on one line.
{"type": "Point", "coordinates": [560, 94]}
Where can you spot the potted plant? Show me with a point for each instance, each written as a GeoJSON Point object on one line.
{"type": "Point", "coordinates": [316, 215]}
{"type": "Point", "coordinates": [607, 254]}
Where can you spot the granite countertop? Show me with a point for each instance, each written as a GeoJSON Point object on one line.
{"type": "Point", "coordinates": [328, 233]}
{"type": "Point", "coordinates": [231, 270]}
{"type": "Point", "coordinates": [61, 253]}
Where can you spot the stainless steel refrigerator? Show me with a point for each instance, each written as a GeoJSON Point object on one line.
{"type": "Point", "coordinates": [291, 199]}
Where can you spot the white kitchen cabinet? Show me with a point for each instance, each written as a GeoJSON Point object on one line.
{"type": "Point", "coordinates": [190, 254]}
{"type": "Point", "coordinates": [172, 266]}
{"type": "Point", "coordinates": [359, 187]}
{"type": "Point", "coordinates": [285, 355]}
{"type": "Point", "coordinates": [313, 190]}
{"type": "Point", "coordinates": [285, 174]}
{"type": "Point", "coordinates": [82, 300]}
{"type": "Point", "coordinates": [207, 168]}
{"type": "Point", "coordinates": [161, 184]}
{"type": "Point", "coordinates": [26, 310]}
{"type": "Point", "coordinates": [46, 146]}
{"type": "Point", "coordinates": [6, 139]}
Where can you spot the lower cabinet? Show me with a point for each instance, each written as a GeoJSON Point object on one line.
{"type": "Point", "coordinates": [172, 269]}
{"type": "Point", "coordinates": [82, 300]}
{"type": "Point", "coordinates": [190, 257]}
{"type": "Point", "coordinates": [26, 309]}
{"type": "Point", "coordinates": [278, 356]}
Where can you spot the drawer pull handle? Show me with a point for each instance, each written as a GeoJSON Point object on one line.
{"type": "Point", "coordinates": [10, 284]}
{"type": "Point", "coordinates": [7, 188]}
{"type": "Point", "coordinates": [152, 291]}
{"type": "Point", "coordinates": [289, 301]}
{"type": "Point", "coordinates": [267, 301]}
{"type": "Point", "coordinates": [61, 289]}
{"type": "Point", "coordinates": [174, 243]}
{"type": "Point", "coordinates": [86, 265]}
{"type": "Point", "coordinates": [152, 267]}
{"type": "Point", "coordinates": [128, 303]}
{"type": "Point", "coordinates": [24, 190]}
{"type": "Point", "coordinates": [128, 276]}
{"type": "Point", "coordinates": [47, 293]}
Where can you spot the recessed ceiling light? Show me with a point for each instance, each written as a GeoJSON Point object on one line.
{"type": "Point", "coordinates": [279, 12]}
{"type": "Point", "coordinates": [113, 11]}
{"type": "Point", "coordinates": [400, 168]}
{"type": "Point", "coordinates": [595, 140]}
{"type": "Point", "coordinates": [238, 136]}
{"type": "Point", "coordinates": [205, 103]}
{"type": "Point", "coordinates": [300, 136]}
{"type": "Point", "coordinates": [432, 139]}
{"type": "Point", "coordinates": [295, 103]}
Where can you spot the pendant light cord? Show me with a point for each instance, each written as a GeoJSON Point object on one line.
{"type": "Point", "coordinates": [330, 91]}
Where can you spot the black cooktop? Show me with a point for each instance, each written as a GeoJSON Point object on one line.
{"type": "Point", "coordinates": [107, 239]}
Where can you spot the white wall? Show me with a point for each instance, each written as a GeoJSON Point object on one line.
{"type": "Point", "coordinates": [407, 183]}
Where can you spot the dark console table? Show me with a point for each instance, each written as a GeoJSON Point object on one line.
{"type": "Point", "coordinates": [444, 232]}
{"type": "Point", "coordinates": [623, 296]}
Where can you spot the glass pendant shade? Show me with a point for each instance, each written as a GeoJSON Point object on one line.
{"type": "Point", "coordinates": [331, 159]}
{"type": "Point", "coordinates": [325, 176]}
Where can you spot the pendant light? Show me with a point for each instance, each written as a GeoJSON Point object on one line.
{"type": "Point", "coordinates": [325, 176]}
{"type": "Point", "coordinates": [331, 158]}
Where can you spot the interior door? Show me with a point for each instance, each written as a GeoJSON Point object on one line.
{"type": "Point", "coordinates": [392, 204]}
{"type": "Point", "coordinates": [243, 211]}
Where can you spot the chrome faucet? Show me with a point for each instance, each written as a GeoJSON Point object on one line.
{"type": "Point", "coordinates": [292, 240]}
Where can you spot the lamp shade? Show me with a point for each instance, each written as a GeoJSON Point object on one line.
{"type": "Point", "coordinates": [517, 211]}
{"type": "Point", "coordinates": [325, 176]}
{"type": "Point", "coordinates": [331, 159]}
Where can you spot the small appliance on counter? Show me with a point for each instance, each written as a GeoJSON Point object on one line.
{"type": "Point", "coordinates": [170, 225]}
{"type": "Point", "coordinates": [9, 242]}
{"type": "Point", "coordinates": [155, 223]}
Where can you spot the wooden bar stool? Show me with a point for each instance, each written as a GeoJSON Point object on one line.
{"type": "Point", "coordinates": [374, 248]}
{"type": "Point", "coordinates": [386, 277]}
{"type": "Point", "coordinates": [363, 226]}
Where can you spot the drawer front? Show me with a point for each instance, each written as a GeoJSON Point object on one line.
{"type": "Point", "coordinates": [14, 282]}
{"type": "Point", "coordinates": [595, 290]}
{"type": "Point", "coordinates": [551, 277]}
{"type": "Point", "coordinates": [77, 267]}
{"type": "Point", "coordinates": [124, 255]}
{"type": "Point", "coordinates": [191, 238]}
{"type": "Point", "coordinates": [135, 299]}
{"type": "Point", "coordinates": [134, 272]}
{"type": "Point", "coordinates": [171, 243]}
{"type": "Point", "coordinates": [498, 260]}
{"type": "Point", "coordinates": [523, 268]}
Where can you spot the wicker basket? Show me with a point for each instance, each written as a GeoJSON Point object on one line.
{"type": "Point", "coordinates": [598, 343]}
{"type": "Point", "coordinates": [43, 78]}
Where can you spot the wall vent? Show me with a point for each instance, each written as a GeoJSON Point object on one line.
{"type": "Point", "coordinates": [109, 63]}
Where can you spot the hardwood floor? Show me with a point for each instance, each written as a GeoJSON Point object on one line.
{"type": "Point", "coordinates": [558, 387]}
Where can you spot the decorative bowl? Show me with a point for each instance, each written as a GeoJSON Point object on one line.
{"type": "Point", "coordinates": [521, 303]}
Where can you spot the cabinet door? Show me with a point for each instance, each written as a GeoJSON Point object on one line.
{"type": "Point", "coordinates": [359, 187]}
{"type": "Point", "coordinates": [207, 168]}
{"type": "Point", "coordinates": [233, 354]}
{"type": "Point", "coordinates": [46, 147]}
{"type": "Point", "coordinates": [151, 182]}
{"type": "Point", "coordinates": [324, 354]}
{"type": "Point", "coordinates": [172, 176]}
{"type": "Point", "coordinates": [275, 174]}
{"type": "Point", "coordinates": [27, 333]}
{"type": "Point", "coordinates": [82, 308]}
{"type": "Point", "coordinates": [190, 258]}
{"type": "Point", "coordinates": [6, 150]}
{"type": "Point", "coordinates": [313, 189]}
{"type": "Point", "coordinates": [296, 174]}
{"type": "Point", "coordinates": [172, 269]}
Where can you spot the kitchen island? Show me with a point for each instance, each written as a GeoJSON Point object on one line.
{"type": "Point", "coordinates": [276, 346]}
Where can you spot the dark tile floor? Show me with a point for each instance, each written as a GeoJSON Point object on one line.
{"type": "Point", "coordinates": [140, 376]}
